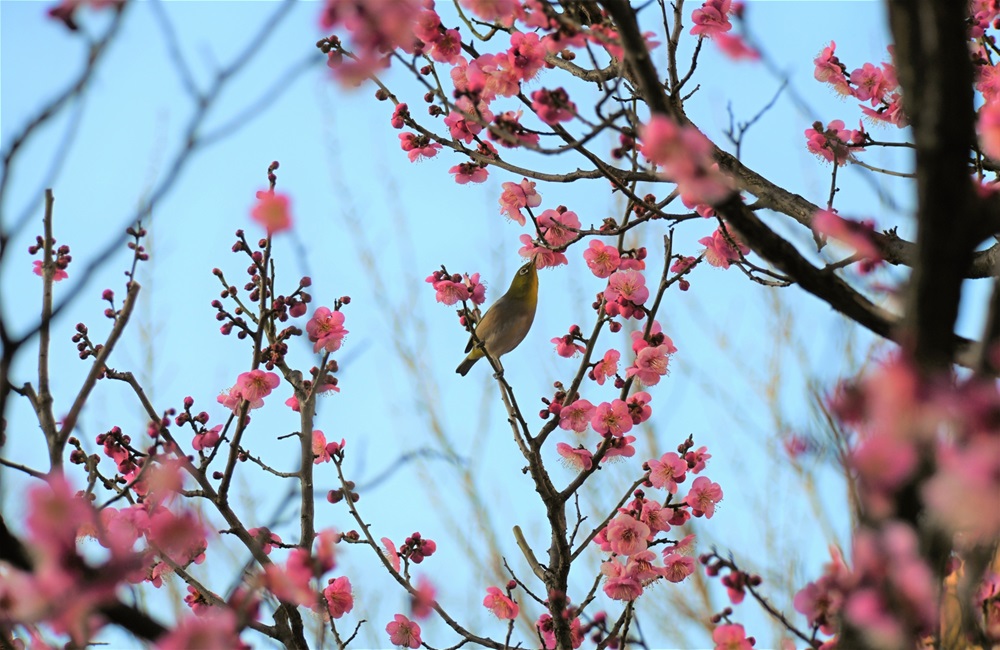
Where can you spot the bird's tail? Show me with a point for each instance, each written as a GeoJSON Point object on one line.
{"type": "Point", "coordinates": [463, 368]}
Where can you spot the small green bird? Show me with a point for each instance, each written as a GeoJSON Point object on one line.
{"type": "Point", "coordinates": [506, 323]}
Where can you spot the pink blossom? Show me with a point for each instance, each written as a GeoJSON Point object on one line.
{"type": "Point", "coordinates": [558, 227]}
{"type": "Point", "coordinates": [265, 537]}
{"type": "Point", "coordinates": [467, 120]}
{"type": "Point", "coordinates": [339, 599]}
{"type": "Point", "coordinates": [404, 632]}
{"type": "Point", "coordinates": [703, 497]}
{"type": "Point", "coordinates": [422, 603]}
{"type": "Point", "coordinates": [469, 172]}
{"type": "Point", "coordinates": [526, 54]}
{"type": "Point", "coordinates": [731, 637]}
{"type": "Point", "coordinates": [630, 285]}
{"type": "Point", "coordinates": [830, 70]}
{"type": "Point", "coordinates": [686, 157]}
{"type": "Point", "coordinates": [544, 257]}
{"type": "Point", "coordinates": [567, 347]}
{"type": "Point", "coordinates": [667, 472]}
{"type": "Point", "coordinates": [511, 132]}
{"type": "Point", "coordinates": [272, 212]}
{"type": "Point", "coordinates": [447, 48]}
{"type": "Point", "coordinates": [516, 196]}
{"type": "Point", "coordinates": [215, 629]}
{"type": "Point", "coordinates": [712, 18]}
{"type": "Point", "coordinates": [320, 454]}
{"type": "Point", "coordinates": [390, 552]}
{"type": "Point", "coordinates": [870, 84]}
{"type": "Point", "coordinates": [650, 364]}
{"type": "Point", "coordinates": [735, 47]}
{"type": "Point", "coordinates": [607, 367]}
{"type": "Point", "coordinates": [546, 630]}
{"type": "Point", "coordinates": [696, 459]}
{"type": "Point", "coordinates": [207, 439]}
{"type": "Point", "coordinates": [857, 234]}
{"type": "Point", "coordinates": [988, 126]}
{"type": "Point", "coordinates": [57, 275]}
{"type": "Point", "coordinates": [627, 535]}
{"type": "Point", "coordinates": [655, 516]}
{"type": "Point", "coordinates": [602, 260]}
{"type": "Point", "coordinates": [501, 11]}
{"type": "Point", "coordinates": [620, 448]}
{"type": "Point", "coordinates": [418, 147]}
{"type": "Point", "coordinates": [723, 248]}
{"type": "Point", "coordinates": [638, 407]}
{"type": "Point", "coordinates": [677, 567]}
{"type": "Point", "coordinates": [500, 605]}
{"type": "Point", "coordinates": [620, 585]}
{"type": "Point", "coordinates": [576, 416]}
{"type": "Point", "coordinates": [656, 337]}
{"type": "Point", "coordinates": [964, 492]}
{"type": "Point", "coordinates": [890, 112]}
{"type": "Point", "coordinates": [257, 384]}
{"type": "Point", "coordinates": [611, 418]}
{"type": "Point", "coordinates": [326, 330]}
{"type": "Point", "coordinates": [399, 116]}
{"type": "Point", "coordinates": [831, 144]}
{"type": "Point", "coordinates": [988, 82]}
{"type": "Point", "coordinates": [552, 106]}
{"type": "Point", "coordinates": [577, 458]}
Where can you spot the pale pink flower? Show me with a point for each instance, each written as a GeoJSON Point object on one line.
{"type": "Point", "coordinates": [696, 459]}
{"type": "Point", "coordinates": [655, 516]}
{"type": "Point", "coordinates": [988, 126]}
{"type": "Point", "coordinates": [619, 449]}
{"type": "Point", "coordinates": [735, 47]}
{"type": "Point", "coordinates": [870, 84]}
{"type": "Point", "coordinates": [339, 599]}
{"type": "Point", "coordinates": [326, 330]}
{"type": "Point", "coordinates": [214, 629]}
{"type": "Point", "coordinates": [627, 535]}
{"type": "Point", "coordinates": [265, 538]}
{"type": "Point", "coordinates": [650, 364]}
{"type": "Point", "coordinates": [467, 119]}
{"type": "Point", "coordinates": [320, 454]}
{"type": "Point", "coordinates": [576, 416]}
{"type": "Point", "coordinates": [723, 248]}
{"type": "Point", "coordinates": [830, 70]}
{"type": "Point", "coordinates": [404, 632]}
{"type": "Point", "coordinates": [257, 384]}
{"type": "Point", "coordinates": [611, 418]}
{"type": "Point", "coordinates": [469, 172]}
{"type": "Point", "coordinates": [602, 260]}
{"type": "Point", "coordinates": [638, 407]}
{"type": "Point", "coordinates": [964, 492]}
{"type": "Point", "coordinates": [677, 567]}
{"type": "Point", "coordinates": [577, 458]}
{"type": "Point", "coordinates": [567, 347]}
{"type": "Point", "coordinates": [207, 439]}
{"type": "Point", "coordinates": [667, 472]}
{"type": "Point", "coordinates": [422, 603]}
{"type": "Point", "coordinates": [501, 11]}
{"type": "Point", "coordinates": [390, 552]}
{"type": "Point", "coordinates": [831, 144]}
{"type": "Point", "coordinates": [516, 196]}
{"type": "Point", "coordinates": [272, 212]}
{"type": "Point", "coordinates": [418, 147]}
{"type": "Point", "coordinates": [607, 367]}
{"type": "Point", "coordinates": [526, 54]}
{"type": "Point", "coordinates": [686, 157]}
{"type": "Point", "coordinates": [544, 257]}
{"type": "Point", "coordinates": [703, 497]}
{"type": "Point", "coordinates": [620, 585]}
{"type": "Point", "coordinates": [630, 285]}
{"type": "Point", "coordinates": [558, 228]}
{"type": "Point", "coordinates": [500, 605]}
{"type": "Point", "coordinates": [731, 637]}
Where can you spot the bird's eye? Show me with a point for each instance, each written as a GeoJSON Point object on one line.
{"type": "Point", "coordinates": [524, 269]}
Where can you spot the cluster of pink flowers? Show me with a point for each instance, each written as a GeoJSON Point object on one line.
{"type": "Point", "coordinates": [712, 20]}
{"type": "Point", "coordinates": [876, 85]}
{"type": "Point", "coordinates": [685, 155]}
{"type": "Point", "coordinates": [834, 143]}
{"type": "Point", "coordinates": [652, 359]}
{"type": "Point", "coordinates": [252, 387]}
{"type": "Point", "coordinates": [451, 289]}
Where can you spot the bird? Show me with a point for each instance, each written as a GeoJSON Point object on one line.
{"type": "Point", "coordinates": [507, 321]}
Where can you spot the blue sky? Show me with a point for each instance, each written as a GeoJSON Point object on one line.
{"type": "Point", "coordinates": [371, 225]}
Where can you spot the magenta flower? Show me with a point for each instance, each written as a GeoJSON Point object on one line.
{"type": "Point", "coordinates": [723, 248]}
{"type": "Point", "coordinates": [558, 227]}
{"type": "Point", "coordinates": [500, 605]}
{"type": "Point", "coordinates": [567, 347]}
{"type": "Point", "coordinates": [677, 567]}
{"type": "Point", "coordinates": [526, 55]}
{"type": "Point", "coordinates": [326, 330]}
{"type": "Point", "coordinates": [57, 275]}
{"type": "Point", "coordinates": [404, 632]}
{"type": "Point", "coordinates": [731, 637]}
{"type": "Point", "coordinates": [544, 257]}
{"type": "Point", "coordinates": [469, 172]}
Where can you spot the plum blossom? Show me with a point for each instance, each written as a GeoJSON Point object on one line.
{"type": "Point", "coordinates": [576, 458]}
{"type": "Point", "coordinates": [711, 18]}
{"type": "Point", "coordinates": [607, 367]}
{"type": "Point", "coordinates": [339, 599]}
{"type": "Point", "coordinates": [627, 535]}
{"type": "Point", "coordinates": [723, 248]}
{"type": "Point", "coordinates": [404, 632]}
{"type": "Point", "coordinates": [667, 472]}
{"type": "Point", "coordinates": [602, 259]}
{"type": "Point", "coordinates": [500, 605]}
{"type": "Point", "coordinates": [576, 416]}
{"type": "Point", "coordinates": [703, 497]}
{"type": "Point", "coordinates": [272, 212]}
{"type": "Point", "coordinates": [326, 330]}
{"type": "Point", "coordinates": [516, 196]}
{"type": "Point", "coordinates": [611, 418]}
{"type": "Point", "coordinates": [558, 226]}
